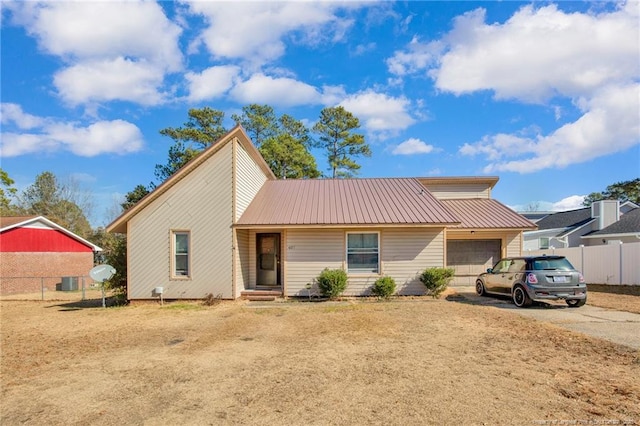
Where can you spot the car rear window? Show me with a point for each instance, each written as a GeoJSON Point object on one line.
{"type": "Point", "coordinates": [553, 264]}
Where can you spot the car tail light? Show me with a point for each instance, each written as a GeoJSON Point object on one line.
{"type": "Point", "coordinates": [532, 279]}
{"type": "Point", "coordinates": [580, 278]}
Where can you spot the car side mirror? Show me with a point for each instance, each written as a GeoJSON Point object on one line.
{"type": "Point", "coordinates": [490, 270]}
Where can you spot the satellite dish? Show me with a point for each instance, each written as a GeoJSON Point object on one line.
{"type": "Point", "coordinates": [101, 273]}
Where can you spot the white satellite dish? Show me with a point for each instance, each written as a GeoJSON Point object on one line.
{"type": "Point", "coordinates": [101, 273]}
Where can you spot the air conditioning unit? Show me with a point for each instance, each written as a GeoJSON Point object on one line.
{"type": "Point", "coordinates": [69, 284]}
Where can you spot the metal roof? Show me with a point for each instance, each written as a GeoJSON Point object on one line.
{"type": "Point", "coordinates": [485, 213]}
{"type": "Point", "coordinates": [10, 221]}
{"type": "Point", "coordinates": [342, 202]}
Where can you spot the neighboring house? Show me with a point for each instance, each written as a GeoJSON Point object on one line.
{"type": "Point", "coordinates": [224, 225]}
{"type": "Point", "coordinates": [626, 230]}
{"type": "Point", "coordinates": [569, 228]}
{"type": "Point", "coordinates": [35, 250]}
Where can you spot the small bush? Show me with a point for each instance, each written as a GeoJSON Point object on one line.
{"type": "Point", "coordinates": [211, 300]}
{"type": "Point", "coordinates": [436, 280]}
{"type": "Point", "coordinates": [332, 282]}
{"type": "Point", "coordinates": [384, 287]}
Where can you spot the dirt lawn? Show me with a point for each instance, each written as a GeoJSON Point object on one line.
{"type": "Point", "coordinates": [410, 362]}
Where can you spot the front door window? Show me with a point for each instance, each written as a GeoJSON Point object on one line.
{"type": "Point", "coordinates": [268, 259]}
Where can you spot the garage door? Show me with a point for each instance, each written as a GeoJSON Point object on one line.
{"type": "Point", "coordinates": [470, 258]}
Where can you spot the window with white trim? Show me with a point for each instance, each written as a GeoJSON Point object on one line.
{"type": "Point", "coordinates": [543, 242]}
{"type": "Point", "coordinates": [363, 252]}
{"type": "Point", "coordinates": [181, 248]}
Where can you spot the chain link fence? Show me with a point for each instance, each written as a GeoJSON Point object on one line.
{"type": "Point", "coordinates": [71, 288]}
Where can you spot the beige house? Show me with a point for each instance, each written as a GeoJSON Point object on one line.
{"type": "Point", "coordinates": [224, 225]}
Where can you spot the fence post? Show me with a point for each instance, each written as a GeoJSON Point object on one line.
{"type": "Point", "coordinates": [83, 287]}
{"type": "Point", "coordinates": [42, 287]}
{"type": "Point", "coordinates": [620, 253]}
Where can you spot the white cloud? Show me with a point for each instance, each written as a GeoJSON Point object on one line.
{"type": "Point", "coordinates": [108, 80]}
{"type": "Point", "coordinates": [610, 125]}
{"type": "Point", "coordinates": [572, 202]}
{"type": "Point", "coordinates": [100, 137]}
{"type": "Point", "coordinates": [379, 112]}
{"type": "Point", "coordinates": [12, 113]}
{"type": "Point", "coordinates": [130, 43]}
{"type": "Point", "coordinates": [254, 31]}
{"type": "Point", "coordinates": [263, 89]}
{"type": "Point", "coordinates": [212, 82]}
{"type": "Point", "coordinates": [569, 203]}
{"type": "Point", "coordinates": [417, 57]}
{"type": "Point", "coordinates": [412, 146]}
{"type": "Point", "coordinates": [536, 55]}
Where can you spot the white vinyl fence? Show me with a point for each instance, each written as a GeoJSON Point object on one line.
{"type": "Point", "coordinates": [616, 264]}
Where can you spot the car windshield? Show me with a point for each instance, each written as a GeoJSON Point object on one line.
{"type": "Point", "coordinates": [553, 264]}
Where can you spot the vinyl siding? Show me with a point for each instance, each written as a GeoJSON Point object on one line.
{"type": "Point", "coordinates": [408, 252]}
{"type": "Point", "coordinates": [452, 191]}
{"type": "Point", "coordinates": [243, 251]}
{"type": "Point", "coordinates": [249, 180]}
{"type": "Point", "coordinates": [308, 252]}
{"type": "Point", "coordinates": [202, 204]}
{"type": "Point", "coordinates": [404, 253]}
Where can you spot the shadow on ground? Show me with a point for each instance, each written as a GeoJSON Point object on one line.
{"type": "Point", "coordinates": [86, 304]}
{"type": "Point", "coordinates": [470, 297]}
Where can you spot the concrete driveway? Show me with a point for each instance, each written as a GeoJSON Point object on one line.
{"type": "Point", "coordinates": [615, 326]}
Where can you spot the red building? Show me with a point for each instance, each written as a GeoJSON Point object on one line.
{"type": "Point", "coordinates": [35, 251]}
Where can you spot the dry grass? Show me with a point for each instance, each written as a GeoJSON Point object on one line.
{"type": "Point", "coordinates": [415, 361]}
{"type": "Point", "coordinates": [623, 298]}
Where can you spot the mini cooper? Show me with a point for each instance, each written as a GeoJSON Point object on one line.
{"type": "Point", "coordinates": [534, 278]}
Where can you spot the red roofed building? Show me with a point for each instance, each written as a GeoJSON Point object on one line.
{"type": "Point", "coordinates": [224, 225]}
{"type": "Point", "coordinates": [35, 250]}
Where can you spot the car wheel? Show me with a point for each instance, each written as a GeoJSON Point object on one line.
{"type": "Point", "coordinates": [576, 303]}
{"type": "Point", "coordinates": [520, 297]}
{"type": "Point", "coordinates": [480, 288]}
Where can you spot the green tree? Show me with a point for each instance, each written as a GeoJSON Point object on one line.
{"type": "Point", "coordinates": [283, 143]}
{"type": "Point", "coordinates": [335, 128]}
{"type": "Point", "coordinates": [133, 196]}
{"type": "Point", "coordinates": [114, 253]}
{"type": "Point", "coordinates": [203, 128]}
{"type": "Point", "coordinates": [7, 192]}
{"type": "Point", "coordinates": [623, 191]}
{"type": "Point", "coordinates": [57, 202]}
{"type": "Point", "coordinates": [259, 121]}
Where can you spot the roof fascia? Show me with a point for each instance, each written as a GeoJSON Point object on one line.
{"type": "Point", "coordinates": [605, 236]}
{"type": "Point", "coordinates": [119, 224]}
{"type": "Point", "coordinates": [489, 180]}
{"type": "Point", "coordinates": [343, 226]}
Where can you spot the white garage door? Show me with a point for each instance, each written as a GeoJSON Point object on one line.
{"type": "Point", "coordinates": [470, 258]}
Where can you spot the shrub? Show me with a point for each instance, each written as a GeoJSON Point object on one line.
{"type": "Point", "coordinates": [332, 282]}
{"type": "Point", "coordinates": [211, 300]}
{"type": "Point", "coordinates": [384, 287]}
{"type": "Point", "coordinates": [436, 280]}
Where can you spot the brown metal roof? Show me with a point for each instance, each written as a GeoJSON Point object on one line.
{"type": "Point", "coordinates": [483, 213]}
{"type": "Point", "coordinates": [386, 201]}
{"type": "Point", "coordinates": [6, 221]}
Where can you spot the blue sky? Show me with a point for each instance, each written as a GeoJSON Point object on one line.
{"type": "Point", "coordinates": [544, 95]}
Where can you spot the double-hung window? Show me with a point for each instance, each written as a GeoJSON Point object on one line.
{"type": "Point", "coordinates": [181, 248]}
{"type": "Point", "coordinates": [363, 252]}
